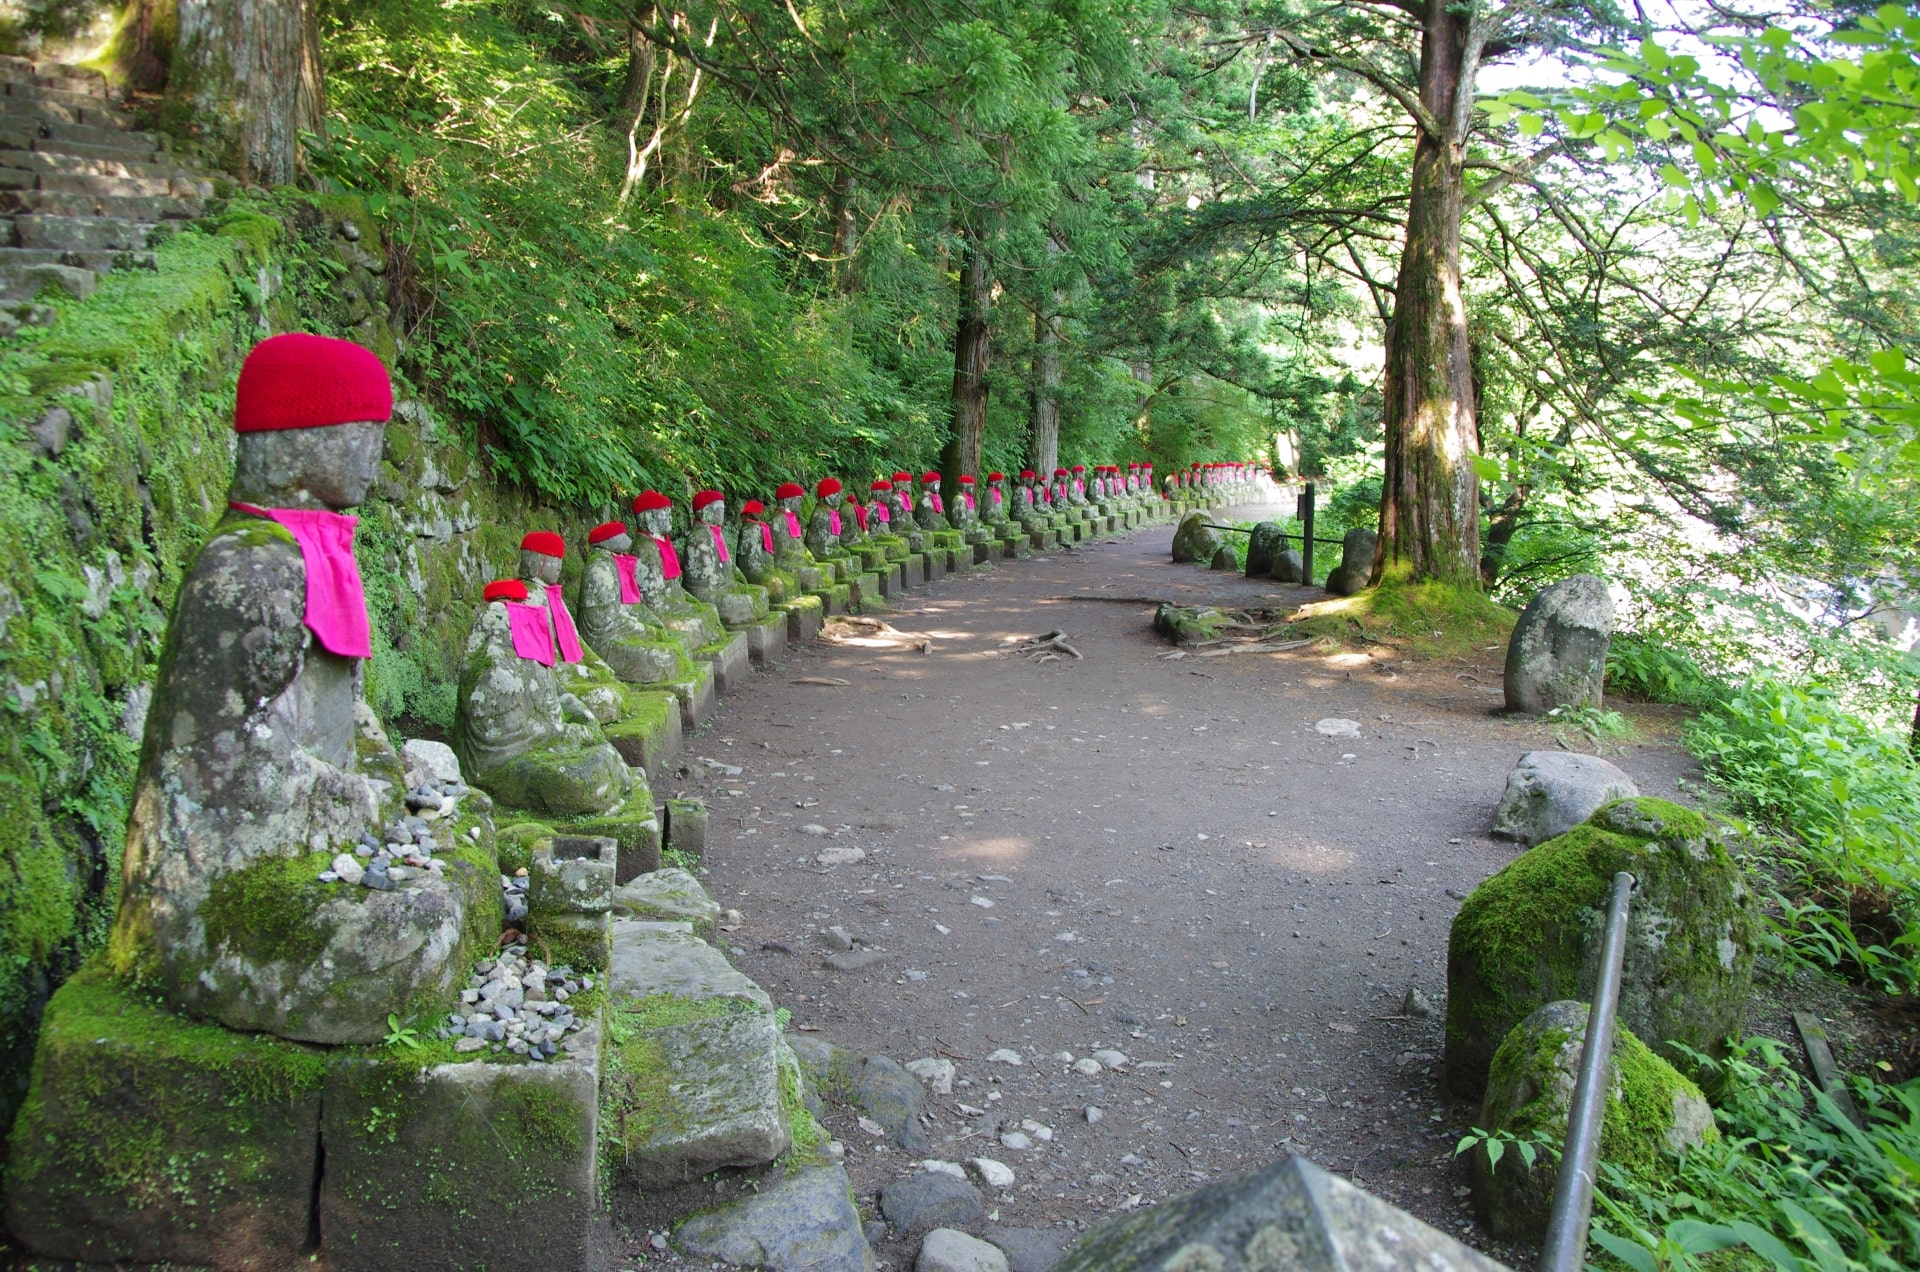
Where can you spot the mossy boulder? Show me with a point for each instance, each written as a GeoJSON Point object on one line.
{"type": "Point", "coordinates": [1653, 1114]}
{"type": "Point", "coordinates": [1194, 539]}
{"type": "Point", "coordinates": [147, 1137]}
{"type": "Point", "coordinates": [1264, 547]}
{"type": "Point", "coordinates": [1531, 935]}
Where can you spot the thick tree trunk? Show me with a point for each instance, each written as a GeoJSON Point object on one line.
{"type": "Point", "coordinates": [142, 45]}
{"type": "Point", "coordinates": [1430, 501]}
{"type": "Point", "coordinates": [1044, 444]}
{"type": "Point", "coordinates": [971, 348]}
{"type": "Point", "coordinates": [245, 83]}
{"type": "Point", "coordinates": [846, 230]}
{"type": "Point", "coordinates": [633, 90]}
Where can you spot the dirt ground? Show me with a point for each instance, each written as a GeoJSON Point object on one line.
{"type": "Point", "coordinates": [1164, 857]}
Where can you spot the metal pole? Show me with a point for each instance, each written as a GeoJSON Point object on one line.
{"type": "Point", "coordinates": [1565, 1248]}
{"type": "Point", "coordinates": [1306, 542]}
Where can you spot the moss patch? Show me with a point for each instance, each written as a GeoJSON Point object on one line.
{"type": "Point", "coordinates": [1428, 618]}
{"type": "Point", "coordinates": [265, 911]}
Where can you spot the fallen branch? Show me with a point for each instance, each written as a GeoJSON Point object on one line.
{"type": "Point", "coordinates": [872, 633]}
{"type": "Point", "coordinates": [1046, 648]}
{"type": "Point", "coordinates": [1280, 648]}
{"type": "Point", "coordinates": [821, 680]}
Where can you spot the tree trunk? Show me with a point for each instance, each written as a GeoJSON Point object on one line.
{"type": "Point", "coordinates": [971, 347]}
{"type": "Point", "coordinates": [142, 45]}
{"type": "Point", "coordinates": [845, 230]}
{"type": "Point", "coordinates": [1500, 528]}
{"type": "Point", "coordinates": [633, 90]}
{"type": "Point", "coordinates": [1430, 501]}
{"type": "Point", "coordinates": [1044, 445]}
{"type": "Point", "coordinates": [244, 83]}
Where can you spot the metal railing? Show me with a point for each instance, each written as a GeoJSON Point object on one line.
{"type": "Point", "coordinates": [1565, 1248]}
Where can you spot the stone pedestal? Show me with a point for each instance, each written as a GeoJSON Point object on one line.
{"type": "Point", "coordinates": [649, 737]}
{"type": "Point", "coordinates": [835, 598]}
{"type": "Point", "coordinates": [695, 696]}
{"type": "Point", "coordinates": [728, 658]}
{"type": "Point", "coordinates": [687, 827]}
{"type": "Point", "coordinates": [867, 595]}
{"type": "Point", "coordinates": [767, 640]}
{"type": "Point", "coordinates": [569, 896]}
{"type": "Point", "coordinates": [804, 617]}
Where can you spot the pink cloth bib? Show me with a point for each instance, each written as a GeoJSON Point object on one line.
{"type": "Point", "coordinates": [937, 505]}
{"type": "Point", "coordinates": [793, 526]}
{"type": "Point", "coordinates": [860, 515]}
{"type": "Point", "coordinates": [997, 497]}
{"type": "Point", "coordinates": [532, 637]}
{"type": "Point", "coordinates": [563, 626]}
{"type": "Point", "coordinates": [669, 559]}
{"type": "Point", "coordinates": [336, 611]}
{"type": "Point", "coordinates": [880, 510]}
{"type": "Point", "coordinates": [833, 520]}
{"type": "Point", "coordinates": [766, 537]}
{"type": "Point", "coordinates": [627, 565]}
{"type": "Point", "coordinates": [720, 544]}
{"type": "Point", "coordinates": [967, 499]}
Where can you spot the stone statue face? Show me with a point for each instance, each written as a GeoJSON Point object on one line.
{"type": "Point", "coordinates": [656, 521]}
{"type": "Point", "coordinates": [714, 512]}
{"type": "Point", "coordinates": [540, 566]}
{"type": "Point", "coordinates": [791, 503]}
{"type": "Point", "coordinates": [618, 543]}
{"type": "Point", "coordinates": [308, 467]}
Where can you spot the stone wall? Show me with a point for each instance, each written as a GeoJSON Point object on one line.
{"type": "Point", "coordinates": [115, 451]}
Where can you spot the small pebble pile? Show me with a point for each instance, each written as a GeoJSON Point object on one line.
{"type": "Point", "coordinates": [518, 1006]}
{"type": "Point", "coordinates": [407, 847]}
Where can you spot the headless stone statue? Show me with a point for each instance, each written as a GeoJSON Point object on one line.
{"type": "Point", "coordinates": [710, 572]}
{"type": "Point", "coordinates": [658, 568]}
{"type": "Point", "coordinates": [615, 622]}
{"type": "Point", "coordinates": [931, 511]}
{"type": "Point", "coordinates": [261, 761]}
{"type": "Point", "coordinates": [790, 548]}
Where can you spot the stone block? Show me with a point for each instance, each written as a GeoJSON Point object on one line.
{"type": "Point", "coordinates": [804, 616]}
{"type": "Point", "coordinates": [805, 1222]}
{"type": "Point", "coordinates": [698, 1093]}
{"type": "Point", "coordinates": [651, 733]}
{"type": "Point", "coordinates": [696, 697]}
{"type": "Point", "coordinates": [149, 1138]}
{"type": "Point", "coordinates": [462, 1165]}
{"type": "Point", "coordinates": [767, 640]}
{"type": "Point", "coordinates": [571, 874]}
{"type": "Point", "coordinates": [834, 598]}
{"type": "Point", "coordinates": [634, 828]}
{"type": "Point", "coordinates": [687, 827]}
{"type": "Point", "coordinates": [654, 958]}
{"type": "Point", "coordinates": [1290, 1215]}
{"type": "Point", "coordinates": [866, 595]}
{"type": "Point", "coordinates": [669, 894]}
{"type": "Point", "coordinates": [728, 657]}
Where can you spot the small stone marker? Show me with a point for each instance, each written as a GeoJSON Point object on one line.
{"type": "Point", "coordinates": [1557, 656]}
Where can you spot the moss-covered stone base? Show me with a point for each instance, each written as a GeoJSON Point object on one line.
{"type": "Point", "coordinates": [767, 640]}
{"type": "Point", "coordinates": [149, 1138]}
{"type": "Point", "coordinates": [649, 736]}
{"type": "Point", "coordinates": [728, 658]}
{"type": "Point", "coordinates": [462, 1165]}
{"type": "Point", "coordinates": [834, 598]}
{"type": "Point", "coordinates": [697, 697]}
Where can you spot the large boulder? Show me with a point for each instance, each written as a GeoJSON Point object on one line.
{"type": "Point", "coordinates": [1557, 656]}
{"type": "Point", "coordinates": [1194, 539]}
{"type": "Point", "coordinates": [1531, 935]}
{"type": "Point", "coordinates": [1356, 562]}
{"type": "Point", "coordinates": [1291, 1215]}
{"type": "Point", "coordinates": [1652, 1114]}
{"type": "Point", "coordinates": [1264, 547]}
{"type": "Point", "coordinates": [1550, 792]}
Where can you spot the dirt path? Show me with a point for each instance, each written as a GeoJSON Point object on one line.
{"type": "Point", "coordinates": [1158, 856]}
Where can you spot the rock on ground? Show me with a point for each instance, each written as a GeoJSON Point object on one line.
{"type": "Point", "coordinates": [892, 1097]}
{"type": "Point", "coordinates": [920, 1203]}
{"type": "Point", "coordinates": [435, 760]}
{"type": "Point", "coordinates": [1652, 1114]}
{"type": "Point", "coordinates": [1356, 562]}
{"type": "Point", "coordinates": [1264, 547]}
{"type": "Point", "coordinates": [1195, 540]}
{"type": "Point", "coordinates": [945, 1250]}
{"type": "Point", "coordinates": [1290, 1215]}
{"type": "Point", "coordinates": [804, 1223]}
{"type": "Point", "coordinates": [1557, 656]}
{"type": "Point", "coordinates": [1028, 1249]}
{"type": "Point", "coordinates": [1550, 792]}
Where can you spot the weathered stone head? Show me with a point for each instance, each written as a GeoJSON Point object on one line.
{"type": "Point", "coordinates": [829, 491]}
{"type": "Point", "coordinates": [653, 512]}
{"type": "Point", "coordinates": [789, 496]}
{"type": "Point", "coordinates": [609, 536]}
{"type": "Point", "coordinates": [710, 507]}
{"type": "Point", "coordinates": [541, 555]}
{"type": "Point", "coordinates": [880, 500]}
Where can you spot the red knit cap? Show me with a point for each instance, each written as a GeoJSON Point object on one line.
{"type": "Point", "coordinates": [651, 501]}
{"type": "Point", "coordinates": [827, 486]}
{"type": "Point", "coordinates": [1028, 472]}
{"type": "Point", "coordinates": [1079, 468]}
{"type": "Point", "coordinates": [1059, 472]}
{"type": "Point", "coordinates": [882, 485]}
{"type": "Point", "coordinates": [606, 530]}
{"type": "Point", "coordinates": [930, 478]}
{"type": "Point", "coordinates": [903, 476]}
{"type": "Point", "coordinates": [996, 476]}
{"type": "Point", "coordinates": [545, 542]}
{"type": "Point", "coordinates": [303, 381]}
{"type": "Point", "coordinates": [752, 508]}
{"type": "Point", "coordinates": [705, 497]}
{"type": "Point", "coordinates": [790, 490]}
{"type": "Point", "coordinates": [966, 479]}
{"type": "Point", "coordinates": [505, 590]}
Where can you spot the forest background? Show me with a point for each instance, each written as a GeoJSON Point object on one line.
{"type": "Point", "coordinates": [1534, 288]}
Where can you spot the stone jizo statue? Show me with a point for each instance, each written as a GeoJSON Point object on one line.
{"type": "Point", "coordinates": [709, 568]}
{"type": "Point", "coordinates": [901, 517]}
{"type": "Point", "coordinates": [577, 668]}
{"type": "Point", "coordinates": [262, 765]}
{"type": "Point", "coordinates": [993, 505]}
{"type": "Point", "coordinates": [662, 576]}
{"type": "Point", "coordinates": [931, 512]}
{"type": "Point", "coordinates": [615, 621]}
{"type": "Point", "coordinates": [789, 538]}
{"type": "Point", "coordinates": [826, 525]}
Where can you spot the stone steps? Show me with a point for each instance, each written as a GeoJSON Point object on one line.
{"type": "Point", "coordinates": [82, 192]}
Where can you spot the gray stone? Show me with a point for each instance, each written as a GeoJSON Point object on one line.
{"type": "Point", "coordinates": [651, 958]}
{"type": "Point", "coordinates": [1264, 547]}
{"type": "Point", "coordinates": [1356, 562]}
{"type": "Point", "coordinates": [1291, 1215]}
{"type": "Point", "coordinates": [1029, 1249]}
{"type": "Point", "coordinates": [435, 760]}
{"type": "Point", "coordinates": [711, 575]}
{"type": "Point", "coordinates": [1223, 559]}
{"type": "Point", "coordinates": [1648, 1120]}
{"type": "Point", "coordinates": [945, 1250]}
{"type": "Point", "coordinates": [1194, 539]}
{"type": "Point", "coordinates": [631, 638]}
{"type": "Point", "coordinates": [855, 960]}
{"type": "Point", "coordinates": [668, 893]}
{"type": "Point", "coordinates": [892, 1097]}
{"type": "Point", "coordinates": [571, 874]}
{"type": "Point", "coordinates": [721, 1105]}
{"type": "Point", "coordinates": [52, 430]}
{"type": "Point", "coordinates": [922, 1202]}
{"type": "Point", "coordinates": [1550, 792]}
{"type": "Point", "coordinates": [805, 1222]}
{"type": "Point", "coordinates": [1288, 567]}
{"type": "Point", "coordinates": [1557, 656]}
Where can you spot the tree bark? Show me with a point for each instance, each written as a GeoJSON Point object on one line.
{"type": "Point", "coordinates": [1430, 500]}
{"type": "Point", "coordinates": [845, 231]}
{"type": "Point", "coordinates": [633, 90]}
{"type": "Point", "coordinates": [1044, 444]}
{"type": "Point", "coordinates": [972, 341]}
{"type": "Point", "coordinates": [1500, 530]}
{"type": "Point", "coordinates": [244, 82]}
{"type": "Point", "coordinates": [142, 45]}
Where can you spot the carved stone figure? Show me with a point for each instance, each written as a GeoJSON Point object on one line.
{"type": "Point", "coordinates": [615, 621]}
{"type": "Point", "coordinates": [709, 569]}
{"type": "Point", "coordinates": [753, 554]}
{"type": "Point", "coordinates": [993, 504]}
{"type": "Point", "coordinates": [965, 513]}
{"type": "Point", "coordinates": [661, 576]}
{"type": "Point", "coordinates": [826, 525]}
{"type": "Point", "coordinates": [261, 762]}
{"type": "Point", "coordinates": [931, 512]}
{"type": "Point", "coordinates": [790, 548]}
{"type": "Point", "coordinates": [900, 512]}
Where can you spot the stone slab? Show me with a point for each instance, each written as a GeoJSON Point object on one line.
{"type": "Point", "coordinates": [686, 827]}
{"type": "Point", "coordinates": [806, 1222]}
{"type": "Point", "coordinates": [866, 594]}
{"type": "Point", "coordinates": [804, 618]}
{"type": "Point", "coordinates": [462, 1165]}
{"type": "Point", "coordinates": [655, 958]}
{"type": "Point", "coordinates": [634, 828]}
{"type": "Point", "coordinates": [729, 660]}
{"type": "Point", "coordinates": [696, 1096]}
{"type": "Point", "coordinates": [650, 737]}
{"type": "Point", "coordinates": [133, 1110]}
{"type": "Point", "coordinates": [767, 640]}
{"type": "Point", "coordinates": [696, 697]}
{"type": "Point", "coordinates": [668, 893]}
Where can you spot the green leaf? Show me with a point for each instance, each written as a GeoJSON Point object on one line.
{"type": "Point", "coordinates": [1635, 1256]}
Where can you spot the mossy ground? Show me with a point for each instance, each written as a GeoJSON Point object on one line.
{"type": "Point", "coordinates": [1427, 618]}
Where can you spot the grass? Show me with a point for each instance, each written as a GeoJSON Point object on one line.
{"type": "Point", "coordinates": [1426, 618]}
